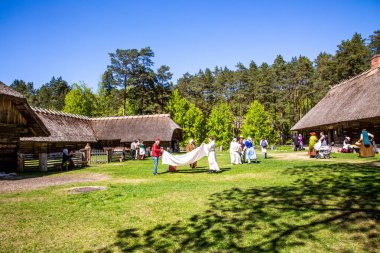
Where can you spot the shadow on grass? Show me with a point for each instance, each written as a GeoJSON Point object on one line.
{"type": "Point", "coordinates": [342, 199]}
{"type": "Point", "coordinates": [36, 174]}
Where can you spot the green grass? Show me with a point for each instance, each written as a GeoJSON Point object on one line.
{"type": "Point", "coordinates": [273, 206]}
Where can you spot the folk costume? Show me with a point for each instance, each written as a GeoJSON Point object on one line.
{"type": "Point", "coordinates": [366, 148]}
{"type": "Point", "coordinates": [190, 147]}
{"type": "Point", "coordinates": [312, 141]}
{"type": "Point", "coordinates": [213, 164]}
{"type": "Point", "coordinates": [250, 153]}
{"type": "Point", "coordinates": [235, 151]}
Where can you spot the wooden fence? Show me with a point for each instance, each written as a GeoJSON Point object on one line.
{"type": "Point", "coordinates": [53, 161]}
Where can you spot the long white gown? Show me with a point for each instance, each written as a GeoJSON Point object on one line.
{"type": "Point", "coordinates": [211, 156]}
{"type": "Point", "coordinates": [235, 150]}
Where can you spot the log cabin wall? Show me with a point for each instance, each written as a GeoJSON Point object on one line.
{"type": "Point", "coordinates": [11, 123]}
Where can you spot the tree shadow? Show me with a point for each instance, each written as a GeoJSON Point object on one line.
{"type": "Point", "coordinates": [340, 198]}
{"type": "Point", "coordinates": [37, 174]}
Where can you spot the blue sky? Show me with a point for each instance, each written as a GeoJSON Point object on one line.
{"type": "Point", "coordinates": [72, 38]}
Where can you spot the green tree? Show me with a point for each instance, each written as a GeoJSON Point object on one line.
{"type": "Point", "coordinates": [257, 123]}
{"type": "Point", "coordinates": [26, 89]}
{"type": "Point", "coordinates": [52, 95]}
{"type": "Point", "coordinates": [132, 72]}
{"type": "Point", "coordinates": [221, 125]}
{"type": "Point", "coordinates": [80, 100]}
{"type": "Point", "coordinates": [374, 44]}
{"type": "Point", "coordinates": [351, 58]}
{"type": "Point", "coordinates": [188, 117]}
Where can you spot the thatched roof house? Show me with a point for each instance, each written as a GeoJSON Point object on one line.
{"type": "Point", "coordinates": [17, 120]}
{"type": "Point", "coordinates": [347, 107]}
{"type": "Point", "coordinates": [74, 131]}
{"type": "Point", "coordinates": [129, 128]}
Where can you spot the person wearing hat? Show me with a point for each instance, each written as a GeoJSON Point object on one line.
{"type": "Point", "coordinates": [156, 153]}
{"type": "Point", "coordinates": [189, 147]}
{"type": "Point", "coordinates": [312, 141]}
{"type": "Point", "coordinates": [250, 154]}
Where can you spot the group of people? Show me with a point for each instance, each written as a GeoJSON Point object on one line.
{"type": "Point", "coordinates": [365, 146]}
{"type": "Point", "coordinates": [242, 150]}
{"type": "Point", "coordinates": [138, 150]}
{"type": "Point", "coordinates": [298, 142]}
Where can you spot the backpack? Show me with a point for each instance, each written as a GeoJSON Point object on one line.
{"type": "Point", "coordinates": [263, 144]}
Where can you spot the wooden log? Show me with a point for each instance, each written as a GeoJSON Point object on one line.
{"type": "Point", "coordinates": [43, 162]}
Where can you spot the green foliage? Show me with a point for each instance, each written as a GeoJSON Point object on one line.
{"type": "Point", "coordinates": [189, 117]}
{"type": "Point", "coordinates": [26, 89]}
{"type": "Point", "coordinates": [220, 124]}
{"type": "Point", "coordinates": [374, 44]}
{"type": "Point", "coordinates": [131, 71]}
{"type": "Point", "coordinates": [52, 95]}
{"type": "Point", "coordinates": [257, 124]}
{"type": "Point", "coordinates": [351, 58]}
{"type": "Point", "coordinates": [80, 100]}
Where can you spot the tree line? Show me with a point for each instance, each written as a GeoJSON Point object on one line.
{"type": "Point", "coordinates": [221, 102]}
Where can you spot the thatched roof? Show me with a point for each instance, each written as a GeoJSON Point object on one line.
{"type": "Point", "coordinates": [352, 100]}
{"type": "Point", "coordinates": [33, 126]}
{"type": "Point", "coordinates": [65, 127]}
{"type": "Point", "coordinates": [130, 128]}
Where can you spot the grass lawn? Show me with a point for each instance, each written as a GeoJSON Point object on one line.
{"type": "Point", "coordinates": [277, 205]}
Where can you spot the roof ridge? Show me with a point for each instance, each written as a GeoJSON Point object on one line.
{"type": "Point", "coordinates": [59, 113]}
{"type": "Point", "coordinates": [350, 79]}
{"type": "Point", "coordinates": [132, 116]}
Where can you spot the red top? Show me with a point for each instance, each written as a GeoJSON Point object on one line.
{"type": "Point", "coordinates": [156, 151]}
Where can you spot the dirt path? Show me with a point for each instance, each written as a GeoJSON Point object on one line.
{"type": "Point", "coordinates": [7, 186]}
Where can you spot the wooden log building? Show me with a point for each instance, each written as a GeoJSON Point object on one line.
{"type": "Point", "coordinates": [17, 120]}
{"type": "Point", "coordinates": [347, 108]}
{"type": "Point", "coordinates": [27, 130]}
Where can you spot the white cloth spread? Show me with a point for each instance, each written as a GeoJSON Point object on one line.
{"type": "Point", "coordinates": [187, 158]}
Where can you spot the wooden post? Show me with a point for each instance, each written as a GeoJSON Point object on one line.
{"type": "Point", "coordinates": [20, 162]}
{"type": "Point", "coordinates": [43, 161]}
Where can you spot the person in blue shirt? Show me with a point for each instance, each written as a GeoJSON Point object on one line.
{"type": "Point", "coordinates": [250, 153]}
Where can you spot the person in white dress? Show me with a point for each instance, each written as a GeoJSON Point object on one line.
{"type": "Point", "coordinates": [213, 164]}
{"type": "Point", "coordinates": [235, 150]}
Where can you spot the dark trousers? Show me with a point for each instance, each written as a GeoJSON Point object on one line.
{"type": "Point", "coordinates": [133, 153]}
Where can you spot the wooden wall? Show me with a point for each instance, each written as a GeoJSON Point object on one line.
{"type": "Point", "coordinates": [11, 123]}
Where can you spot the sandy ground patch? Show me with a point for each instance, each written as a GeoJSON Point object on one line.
{"type": "Point", "coordinates": [290, 156]}
{"type": "Point", "coordinates": [26, 184]}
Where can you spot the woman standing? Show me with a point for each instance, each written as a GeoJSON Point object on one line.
{"type": "Point", "coordinates": [190, 147]}
{"type": "Point", "coordinates": [300, 140]}
{"type": "Point", "coordinates": [214, 167]}
{"type": "Point", "coordinates": [235, 151]}
{"type": "Point", "coordinates": [313, 139]}
{"type": "Point", "coordinates": [366, 148]}
{"type": "Point", "coordinates": [142, 150]}
{"type": "Point", "coordinates": [322, 139]}
{"type": "Point", "coordinates": [156, 153]}
{"type": "Point", "coordinates": [250, 153]}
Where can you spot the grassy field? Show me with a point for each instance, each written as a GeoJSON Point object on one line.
{"type": "Point", "coordinates": [277, 205]}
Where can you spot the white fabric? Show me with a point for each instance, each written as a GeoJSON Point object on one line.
{"type": "Point", "coordinates": [187, 158]}
{"type": "Point", "coordinates": [317, 145]}
{"type": "Point", "coordinates": [235, 150]}
{"type": "Point", "coordinates": [210, 149]}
